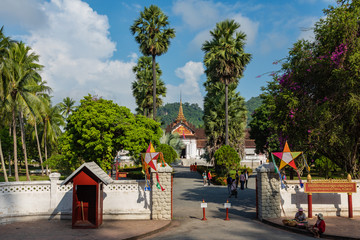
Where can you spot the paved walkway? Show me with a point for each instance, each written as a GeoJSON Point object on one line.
{"type": "Point", "coordinates": [188, 194]}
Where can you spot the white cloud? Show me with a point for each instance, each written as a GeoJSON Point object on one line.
{"type": "Point", "coordinates": [273, 41]}
{"type": "Point", "coordinates": [26, 13]}
{"type": "Point", "coordinates": [75, 48]}
{"type": "Point", "coordinates": [249, 27]}
{"type": "Point", "coordinates": [190, 88]}
{"type": "Point", "coordinates": [196, 14]}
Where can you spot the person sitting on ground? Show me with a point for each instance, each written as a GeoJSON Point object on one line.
{"type": "Point", "coordinates": [300, 216]}
{"type": "Point", "coordinates": [319, 227]}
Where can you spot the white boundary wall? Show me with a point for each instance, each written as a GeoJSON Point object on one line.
{"type": "Point", "coordinates": [274, 202]}
{"type": "Point", "coordinates": [123, 199]}
{"type": "Point", "coordinates": [329, 204]}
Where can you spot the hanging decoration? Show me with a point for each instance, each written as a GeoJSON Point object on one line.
{"type": "Point", "coordinates": [150, 160]}
{"type": "Point", "coordinates": [288, 158]}
{"type": "Point", "coordinates": [277, 171]}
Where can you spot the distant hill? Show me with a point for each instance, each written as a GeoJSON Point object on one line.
{"type": "Point", "coordinates": [169, 112]}
{"type": "Point", "coordinates": [193, 113]}
{"type": "Point", "coordinates": [252, 104]}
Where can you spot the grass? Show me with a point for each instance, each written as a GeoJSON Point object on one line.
{"type": "Point", "coordinates": [22, 175]}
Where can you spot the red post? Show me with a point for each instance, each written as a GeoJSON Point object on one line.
{"type": "Point", "coordinates": [309, 205]}
{"type": "Point", "coordinates": [204, 218]}
{"type": "Point", "coordinates": [227, 212]}
{"type": "Point", "coordinates": [350, 205]}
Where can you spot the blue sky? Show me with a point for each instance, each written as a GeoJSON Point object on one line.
{"type": "Point", "coordinates": [86, 46]}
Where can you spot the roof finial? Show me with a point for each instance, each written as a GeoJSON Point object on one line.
{"type": "Point", "coordinates": [181, 116]}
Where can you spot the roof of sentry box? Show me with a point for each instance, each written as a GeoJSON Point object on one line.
{"type": "Point", "coordinates": [94, 169]}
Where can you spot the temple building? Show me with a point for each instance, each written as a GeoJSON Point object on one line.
{"type": "Point", "coordinates": [193, 138]}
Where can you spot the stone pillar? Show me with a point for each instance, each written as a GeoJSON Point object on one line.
{"type": "Point", "coordinates": [268, 190]}
{"type": "Point", "coordinates": [54, 178]}
{"type": "Point", "coordinates": [161, 200]}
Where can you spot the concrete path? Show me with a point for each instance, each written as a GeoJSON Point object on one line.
{"type": "Point", "coordinates": [188, 194]}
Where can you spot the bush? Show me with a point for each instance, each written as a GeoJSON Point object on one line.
{"type": "Point", "coordinates": [226, 158]}
{"type": "Point", "coordinates": [169, 153]}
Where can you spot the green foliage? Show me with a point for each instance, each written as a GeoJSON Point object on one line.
{"type": "Point", "coordinates": [169, 153]}
{"type": "Point", "coordinates": [98, 128]}
{"type": "Point", "coordinates": [174, 141]}
{"type": "Point", "coordinates": [226, 159]}
{"type": "Point", "coordinates": [325, 167]}
{"type": "Point", "coordinates": [192, 112]}
{"type": "Point", "coordinates": [314, 100]}
{"type": "Point", "coordinates": [142, 86]}
{"type": "Point", "coordinates": [214, 117]}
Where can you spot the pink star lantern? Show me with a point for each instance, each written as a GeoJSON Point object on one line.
{"type": "Point", "coordinates": [287, 157]}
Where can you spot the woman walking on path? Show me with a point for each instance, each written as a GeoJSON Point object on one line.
{"type": "Point", "coordinates": [209, 177]}
{"type": "Point", "coordinates": [246, 178]}
{"type": "Point", "coordinates": [242, 180]}
{"type": "Point", "coordinates": [204, 177]}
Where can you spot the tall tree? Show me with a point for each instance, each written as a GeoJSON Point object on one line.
{"type": "Point", "coordinates": [67, 106]}
{"type": "Point", "coordinates": [225, 58]}
{"type": "Point", "coordinates": [214, 117]}
{"type": "Point", "coordinates": [52, 120]}
{"type": "Point", "coordinates": [20, 71]}
{"type": "Point", "coordinates": [141, 87]}
{"type": "Point", "coordinates": [153, 34]}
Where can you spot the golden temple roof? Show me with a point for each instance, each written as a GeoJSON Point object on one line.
{"type": "Point", "coordinates": [180, 117]}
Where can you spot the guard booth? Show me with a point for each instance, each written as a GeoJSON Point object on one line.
{"type": "Point", "coordinates": [87, 207]}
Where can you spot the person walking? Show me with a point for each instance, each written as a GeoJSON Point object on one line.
{"type": "Point", "coordinates": [237, 177]}
{"type": "Point", "coordinates": [229, 182]}
{"type": "Point", "coordinates": [246, 178]}
{"type": "Point", "coordinates": [242, 180]}
{"type": "Point", "coordinates": [233, 189]}
{"type": "Point", "coordinates": [204, 177]}
{"type": "Point", "coordinates": [209, 177]}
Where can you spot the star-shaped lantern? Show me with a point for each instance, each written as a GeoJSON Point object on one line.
{"type": "Point", "coordinates": [287, 157]}
{"type": "Point", "coordinates": [150, 157]}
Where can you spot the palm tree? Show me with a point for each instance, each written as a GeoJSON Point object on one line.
{"type": "Point", "coordinates": [214, 116]}
{"type": "Point", "coordinates": [142, 86]}
{"type": "Point", "coordinates": [153, 35]}
{"type": "Point", "coordinates": [42, 91]}
{"type": "Point", "coordinates": [225, 59]}
{"type": "Point", "coordinates": [67, 106]}
{"type": "Point", "coordinates": [20, 71]}
{"type": "Point", "coordinates": [53, 120]}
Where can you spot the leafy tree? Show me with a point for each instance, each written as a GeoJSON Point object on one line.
{"type": "Point", "coordinates": [153, 34]}
{"type": "Point", "coordinates": [142, 86]}
{"type": "Point", "coordinates": [98, 128]}
{"type": "Point", "coordinates": [226, 159]}
{"type": "Point", "coordinates": [225, 59]}
{"type": "Point", "coordinates": [173, 140]}
{"type": "Point", "coordinates": [314, 99]}
{"type": "Point", "coordinates": [169, 153]}
{"type": "Point", "coordinates": [214, 117]}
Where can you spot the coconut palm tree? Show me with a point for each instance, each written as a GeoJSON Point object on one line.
{"type": "Point", "coordinates": [67, 106]}
{"type": "Point", "coordinates": [225, 59]}
{"type": "Point", "coordinates": [142, 86]}
{"type": "Point", "coordinates": [53, 120]}
{"type": "Point", "coordinates": [20, 71]}
{"type": "Point", "coordinates": [153, 35]}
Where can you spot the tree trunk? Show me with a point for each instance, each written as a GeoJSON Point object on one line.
{"type": "Point", "coordinates": [15, 147]}
{"type": "Point", "coordinates": [39, 150]}
{"type": "Point", "coordinates": [226, 115]}
{"type": "Point", "coordinates": [3, 163]}
{"type": "Point", "coordinates": [10, 162]}
{"type": "Point", "coordinates": [45, 147]}
{"type": "Point", "coordinates": [22, 131]}
{"type": "Point", "coordinates": [154, 86]}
